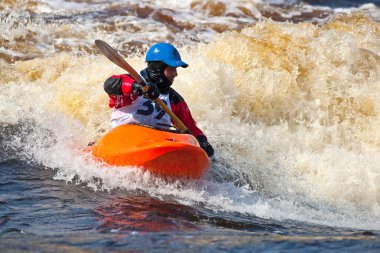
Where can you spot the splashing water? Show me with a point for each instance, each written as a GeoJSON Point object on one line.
{"type": "Point", "coordinates": [292, 110]}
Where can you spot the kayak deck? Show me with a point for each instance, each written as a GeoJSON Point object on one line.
{"type": "Point", "coordinates": [160, 152]}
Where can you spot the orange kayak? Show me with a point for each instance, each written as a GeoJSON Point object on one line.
{"type": "Point", "coordinates": [160, 152]}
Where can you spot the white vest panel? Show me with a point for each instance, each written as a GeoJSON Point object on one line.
{"type": "Point", "coordinates": [143, 111]}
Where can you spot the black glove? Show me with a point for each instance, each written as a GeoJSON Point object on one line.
{"type": "Point", "coordinates": [205, 145]}
{"type": "Point", "coordinates": [151, 93]}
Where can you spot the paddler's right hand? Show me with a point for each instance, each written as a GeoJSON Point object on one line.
{"type": "Point", "coordinates": [151, 93]}
{"type": "Point", "coordinates": [205, 145]}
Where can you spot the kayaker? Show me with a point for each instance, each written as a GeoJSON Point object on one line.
{"type": "Point", "coordinates": [133, 105]}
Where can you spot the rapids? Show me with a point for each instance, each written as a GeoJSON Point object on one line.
{"type": "Point", "coordinates": [288, 94]}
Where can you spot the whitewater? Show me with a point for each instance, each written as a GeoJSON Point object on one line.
{"type": "Point", "coordinates": [288, 93]}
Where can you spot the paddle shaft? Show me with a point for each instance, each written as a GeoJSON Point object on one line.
{"type": "Point", "coordinates": [113, 56]}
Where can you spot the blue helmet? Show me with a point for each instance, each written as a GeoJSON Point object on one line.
{"type": "Point", "coordinates": [166, 53]}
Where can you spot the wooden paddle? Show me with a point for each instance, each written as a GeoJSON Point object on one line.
{"type": "Point", "coordinates": [113, 56]}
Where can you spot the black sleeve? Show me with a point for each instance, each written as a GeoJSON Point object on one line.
{"type": "Point", "coordinates": [113, 86]}
{"type": "Point", "coordinates": [174, 96]}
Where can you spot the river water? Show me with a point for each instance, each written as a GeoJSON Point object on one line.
{"type": "Point", "coordinates": [287, 91]}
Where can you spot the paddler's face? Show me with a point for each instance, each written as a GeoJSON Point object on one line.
{"type": "Point", "coordinates": [170, 73]}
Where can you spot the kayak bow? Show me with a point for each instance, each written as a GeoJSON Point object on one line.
{"type": "Point", "coordinates": [160, 152]}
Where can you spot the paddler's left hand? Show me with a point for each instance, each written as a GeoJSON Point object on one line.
{"type": "Point", "coordinates": [205, 145]}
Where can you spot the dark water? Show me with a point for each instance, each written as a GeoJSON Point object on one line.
{"type": "Point", "coordinates": [341, 3]}
{"type": "Point", "coordinates": [45, 215]}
